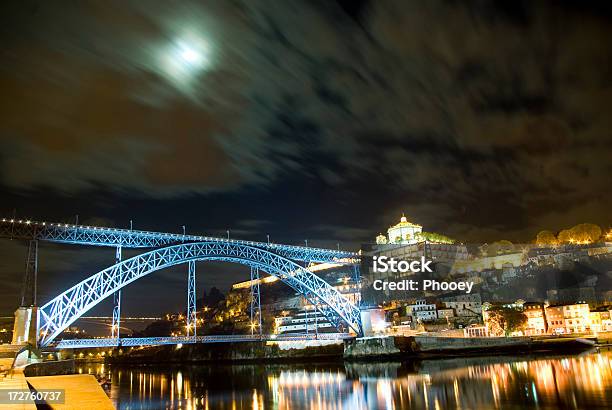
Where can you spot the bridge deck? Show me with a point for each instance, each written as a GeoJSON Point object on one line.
{"type": "Point", "coordinates": [153, 341]}
{"type": "Point", "coordinates": [128, 238]}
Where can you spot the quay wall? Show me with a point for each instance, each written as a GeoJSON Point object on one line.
{"type": "Point", "coordinates": [424, 346]}
{"type": "Point", "coordinates": [219, 352]}
{"type": "Point", "coordinates": [50, 368]}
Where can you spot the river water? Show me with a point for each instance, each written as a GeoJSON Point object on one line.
{"type": "Point", "coordinates": [502, 382]}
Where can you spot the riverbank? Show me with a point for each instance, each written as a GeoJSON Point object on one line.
{"type": "Point", "coordinates": [373, 348]}
{"type": "Point", "coordinates": [394, 347]}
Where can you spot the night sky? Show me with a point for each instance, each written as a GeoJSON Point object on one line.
{"type": "Point", "coordinates": [312, 120]}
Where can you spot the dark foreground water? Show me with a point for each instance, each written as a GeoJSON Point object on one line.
{"type": "Point", "coordinates": [546, 382]}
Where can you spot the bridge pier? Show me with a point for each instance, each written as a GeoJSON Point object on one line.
{"type": "Point", "coordinates": [28, 292]}
{"type": "Point", "coordinates": [255, 301]}
{"type": "Point", "coordinates": [25, 326]}
{"type": "Point", "coordinates": [26, 323]}
{"type": "Point", "coordinates": [116, 303]}
{"type": "Point", "coordinates": [191, 300]}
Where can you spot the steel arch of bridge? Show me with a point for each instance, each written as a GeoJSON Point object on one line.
{"type": "Point", "coordinates": [63, 310]}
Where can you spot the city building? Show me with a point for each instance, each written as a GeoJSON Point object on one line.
{"type": "Point", "coordinates": [422, 311]}
{"type": "Point", "coordinates": [303, 322]}
{"type": "Point", "coordinates": [476, 331]}
{"type": "Point", "coordinates": [568, 318]}
{"type": "Point", "coordinates": [601, 319]}
{"type": "Point", "coordinates": [446, 313]}
{"type": "Point", "coordinates": [536, 319]}
{"type": "Point", "coordinates": [555, 319]}
{"type": "Point", "coordinates": [464, 305]}
{"type": "Point", "coordinates": [595, 321]}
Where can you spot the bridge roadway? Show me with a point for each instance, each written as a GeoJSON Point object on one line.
{"type": "Point", "coordinates": [128, 238]}
{"type": "Point", "coordinates": [173, 340]}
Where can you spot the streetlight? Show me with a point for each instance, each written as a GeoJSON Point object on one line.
{"type": "Point", "coordinates": [306, 242]}
{"type": "Point", "coordinates": [228, 231]}
{"type": "Point", "coordinates": [268, 236]}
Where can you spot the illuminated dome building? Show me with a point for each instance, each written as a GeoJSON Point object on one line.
{"type": "Point", "coordinates": [404, 232]}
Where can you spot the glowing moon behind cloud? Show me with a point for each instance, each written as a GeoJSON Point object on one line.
{"type": "Point", "coordinates": [184, 59]}
{"type": "Point", "coordinates": [190, 56]}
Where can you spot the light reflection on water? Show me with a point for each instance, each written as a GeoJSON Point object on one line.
{"type": "Point", "coordinates": [583, 381]}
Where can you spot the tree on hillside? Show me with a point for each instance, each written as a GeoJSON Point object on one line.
{"type": "Point", "coordinates": [546, 238]}
{"type": "Point", "coordinates": [586, 232]}
{"type": "Point", "coordinates": [504, 320]}
{"type": "Point", "coordinates": [581, 233]}
{"type": "Point", "coordinates": [565, 236]}
{"type": "Point", "coordinates": [433, 237]}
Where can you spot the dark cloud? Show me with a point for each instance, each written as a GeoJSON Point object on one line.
{"type": "Point", "coordinates": [315, 120]}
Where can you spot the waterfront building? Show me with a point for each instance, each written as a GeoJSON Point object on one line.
{"type": "Point", "coordinates": [568, 318]}
{"type": "Point", "coordinates": [536, 319]}
{"type": "Point", "coordinates": [476, 331]}
{"type": "Point", "coordinates": [606, 319]}
{"type": "Point", "coordinates": [555, 319]}
{"type": "Point", "coordinates": [601, 319]}
{"type": "Point", "coordinates": [595, 321]}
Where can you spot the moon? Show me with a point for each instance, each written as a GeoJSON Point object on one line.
{"type": "Point", "coordinates": [184, 59]}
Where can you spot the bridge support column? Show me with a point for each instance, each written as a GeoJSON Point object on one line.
{"type": "Point", "coordinates": [191, 300]}
{"type": "Point", "coordinates": [28, 291]}
{"type": "Point", "coordinates": [255, 302]}
{"type": "Point", "coordinates": [116, 303]}
{"type": "Point", "coordinates": [357, 278]}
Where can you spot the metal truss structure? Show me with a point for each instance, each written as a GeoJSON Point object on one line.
{"type": "Point", "coordinates": [128, 238]}
{"type": "Point", "coordinates": [63, 310]}
{"type": "Point", "coordinates": [116, 324]}
{"type": "Point", "coordinates": [191, 299]}
{"type": "Point", "coordinates": [357, 278]}
{"type": "Point", "coordinates": [255, 302]}
{"type": "Point", "coordinates": [153, 341]}
{"type": "Point", "coordinates": [28, 290]}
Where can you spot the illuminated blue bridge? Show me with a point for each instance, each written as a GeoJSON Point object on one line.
{"type": "Point", "coordinates": [173, 340]}
{"type": "Point", "coordinates": [166, 250]}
